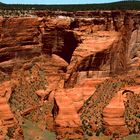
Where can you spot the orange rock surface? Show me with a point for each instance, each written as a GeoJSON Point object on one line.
{"type": "Point", "coordinates": [6, 116]}
{"type": "Point", "coordinates": [75, 56]}
{"type": "Point", "coordinates": [113, 115]}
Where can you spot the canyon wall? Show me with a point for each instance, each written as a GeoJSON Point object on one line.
{"type": "Point", "coordinates": [104, 41]}
{"type": "Point", "coordinates": [77, 52]}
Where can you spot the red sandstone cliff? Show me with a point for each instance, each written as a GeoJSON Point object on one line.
{"type": "Point", "coordinates": [74, 54]}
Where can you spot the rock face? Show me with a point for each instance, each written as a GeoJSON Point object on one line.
{"type": "Point", "coordinates": [84, 64]}
{"type": "Point", "coordinates": [113, 115]}
{"type": "Point", "coordinates": [7, 118]}
{"type": "Point", "coordinates": [18, 34]}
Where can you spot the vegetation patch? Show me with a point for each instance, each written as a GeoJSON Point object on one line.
{"type": "Point", "coordinates": [132, 112]}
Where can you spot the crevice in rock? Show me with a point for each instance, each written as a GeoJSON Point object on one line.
{"type": "Point", "coordinates": [99, 22]}
{"type": "Point", "coordinates": [6, 56]}
{"type": "Point", "coordinates": [74, 24]}
{"type": "Point", "coordinates": [55, 109]}
{"type": "Point", "coordinates": [70, 44]}
{"type": "Point", "coordinates": [62, 43]}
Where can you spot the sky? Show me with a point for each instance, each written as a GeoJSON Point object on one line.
{"type": "Point", "coordinates": [55, 1]}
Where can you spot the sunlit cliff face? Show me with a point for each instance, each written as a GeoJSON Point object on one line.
{"type": "Point", "coordinates": [71, 72]}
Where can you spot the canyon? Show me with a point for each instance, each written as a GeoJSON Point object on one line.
{"type": "Point", "coordinates": [75, 75]}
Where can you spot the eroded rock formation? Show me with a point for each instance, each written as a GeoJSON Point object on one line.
{"type": "Point", "coordinates": [70, 70]}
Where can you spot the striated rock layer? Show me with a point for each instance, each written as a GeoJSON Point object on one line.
{"type": "Point", "coordinates": [71, 70]}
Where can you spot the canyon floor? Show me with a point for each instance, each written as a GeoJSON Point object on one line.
{"type": "Point", "coordinates": [70, 76]}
